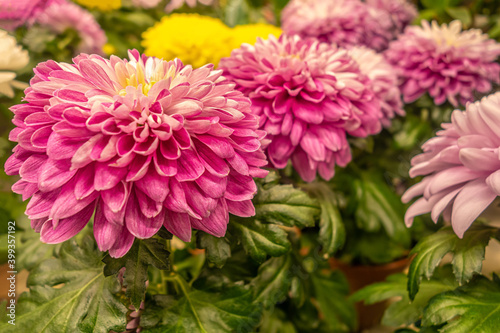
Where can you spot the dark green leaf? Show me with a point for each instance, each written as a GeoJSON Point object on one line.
{"type": "Point", "coordinates": [217, 249]}
{"type": "Point", "coordinates": [286, 205]}
{"type": "Point", "coordinates": [404, 312]}
{"type": "Point", "coordinates": [143, 253]}
{"type": "Point", "coordinates": [260, 240]}
{"type": "Point", "coordinates": [204, 312]}
{"type": "Point", "coordinates": [273, 281]}
{"type": "Point", "coordinates": [331, 227]}
{"type": "Point", "coordinates": [379, 207]}
{"type": "Point", "coordinates": [331, 294]}
{"type": "Point", "coordinates": [468, 254]}
{"type": "Point", "coordinates": [474, 308]}
{"type": "Point", "coordinates": [70, 294]}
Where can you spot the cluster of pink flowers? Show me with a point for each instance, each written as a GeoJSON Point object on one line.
{"type": "Point", "coordinates": [347, 22]}
{"type": "Point", "coordinates": [142, 142]}
{"type": "Point", "coordinates": [308, 96]}
{"type": "Point", "coordinates": [56, 15]}
{"type": "Point", "coordinates": [448, 63]}
{"type": "Point", "coordinates": [461, 166]}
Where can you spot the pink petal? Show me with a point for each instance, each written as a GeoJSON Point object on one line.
{"type": "Point", "coordinates": [66, 228]}
{"type": "Point", "coordinates": [178, 224]}
{"type": "Point", "coordinates": [474, 198]}
{"type": "Point", "coordinates": [241, 208]}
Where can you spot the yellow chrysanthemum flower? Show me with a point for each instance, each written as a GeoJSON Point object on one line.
{"type": "Point", "coordinates": [101, 4]}
{"type": "Point", "coordinates": [196, 40]}
{"type": "Point", "coordinates": [248, 33]}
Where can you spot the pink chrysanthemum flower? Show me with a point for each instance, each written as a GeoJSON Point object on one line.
{"type": "Point", "coordinates": [343, 22]}
{"type": "Point", "coordinates": [142, 142]}
{"type": "Point", "coordinates": [461, 166]}
{"type": "Point", "coordinates": [448, 63]}
{"type": "Point", "coordinates": [307, 95]}
{"type": "Point", "coordinates": [384, 81]}
{"type": "Point", "coordinates": [61, 15]}
{"type": "Point", "coordinates": [15, 13]}
{"type": "Point", "coordinates": [402, 12]}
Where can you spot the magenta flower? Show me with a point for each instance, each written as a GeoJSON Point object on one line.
{"type": "Point", "coordinates": [343, 22]}
{"type": "Point", "coordinates": [461, 167]}
{"type": "Point", "coordinates": [384, 81]}
{"type": "Point", "coordinates": [402, 12]}
{"type": "Point", "coordinates": [448, 63]}
{"type": "Point", "coordinates": [15, 13]}
{"type": "Point", "coordinates": [307, 95]}
{"type": "Point", "coordinates": [61, 15]}
{"type": "Point", "coordinates": [142, 142]}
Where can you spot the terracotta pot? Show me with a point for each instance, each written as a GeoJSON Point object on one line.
{"type": "Point", "coordinates": [361, 276]}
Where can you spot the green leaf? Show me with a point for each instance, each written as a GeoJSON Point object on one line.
{"type": "Point", "coordinates": [31, 251]}
{"type": "Point", "coordinates": [218, 250]}
{"type": "Point", "coordinates": [474, 308]}
{"type": "Point", "coordinates": [271, 284]}
{"type": "Point", "coordinates": [260, 240]}
{"type": "Point", "coordinates": [235, 12]}
{"type": "Point", "coordinates": [70, 294]}
{"type": "Point", "coordinates": [331, 294]}
{"type": "Point", "coordinates": [143, 253]}
{"type": "Point", "coordinates": [468, 254]}
{"type": "Point", "coordinates": [379, 207]}
{"type": "Point", "coordinates": [460, 13]}
{"type": "Point", "coordinates": [204, 312]}
{"type": "Point", "coordinates": [286, 205]}
{"type": "Point", "coordinates": [276, 322]}
{"type": "Point", "coordinates": [331, 228]}
{"type": "Point", "coordinates": [404, 311]}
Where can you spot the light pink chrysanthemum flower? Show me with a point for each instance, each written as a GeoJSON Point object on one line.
{"type": "Point", "coordinates": [142, 142]}
{"type": "Point", "coordinates": [307, 95]}
{"type": "Point", "coordinates": [461, 166]}
{"type": "Point", "coordinates": [448, 63]}
{"type": "Point", "coordinates": [146, 3]}
{"type": "Point", "coordinates": [15, 13]}
{"type": "Point", "coordinates": [61, 15]}
{"type": "Point", "coordinates": [402, 12]}
{"type": "Point", "coordinates": [384, 81]}
{"type": "Point", "coordinates": [175, 4]}
{"type": "Point", "coordinates": [343, 22]}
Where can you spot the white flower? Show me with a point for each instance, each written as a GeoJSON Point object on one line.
{"type": "Point", "coordinates": [12, 58]}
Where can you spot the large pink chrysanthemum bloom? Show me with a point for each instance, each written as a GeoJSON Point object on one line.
{"type": "Point", "coordinates": [384, 81]}
{"type": "Point", "coordinates": [15, 13]}
{"type": "Point", "coordinates": [448, 63]}
{"type": "Point", "coordinates": [402, 12]}
{"type": "Point", "coordinates": [143, 143]}
{"type": "Point", "coordinates": [307, 95]}
{"type": "Point", "coordinates": [61, 15]}
{"type": "Point", "coordinates": [461, 166]}
{"type": "Point", "coordinates": [175, 4]}
{"type": "Point", "coordinates": [343, 22]}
